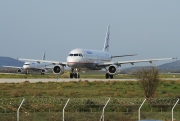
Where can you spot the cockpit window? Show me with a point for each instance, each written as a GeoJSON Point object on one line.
{"type": "Point", "coordinates": [26, 64]}
{"type": "Point", "coordinates": [76, 55]}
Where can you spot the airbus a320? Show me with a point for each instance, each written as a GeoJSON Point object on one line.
{"type": "Point", "coordinates": [31, 66]}
{"type": "Point", "coordinates": [80, 59]}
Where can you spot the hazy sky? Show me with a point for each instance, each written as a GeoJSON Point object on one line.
{"type": "Point", "coordinates": [149, 28]}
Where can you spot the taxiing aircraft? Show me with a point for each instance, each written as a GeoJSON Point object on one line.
{"type": "Point", "coordinates": [30, 65]}
{"type": "Point", "coordinates": [79, 59]}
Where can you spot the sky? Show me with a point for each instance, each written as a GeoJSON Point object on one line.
{"type": "Point", "coordinates": [148, 28]}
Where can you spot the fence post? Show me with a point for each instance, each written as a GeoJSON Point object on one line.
{"type": "Point", "coordinates": [18, 109]}
{"type": "Point", "coordinates": [102, 116]}
{"type": "Point", "coordinates": [140, 109]}
{"type": "Point", "coordinates": [173, 108]}
{"type": "Point", "coordinates": [65, 107]}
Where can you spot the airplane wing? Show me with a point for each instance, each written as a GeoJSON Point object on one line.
{"type": "Point", "coordinates": [12, 67]}
{"type": "Point", "coordinates": [123, 55]}
{"type": "Point", "coordinates": [130, 62]}
{"type": "Point", "coordinates": [46, 61]}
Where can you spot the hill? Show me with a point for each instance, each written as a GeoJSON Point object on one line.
{"type": "Point", "coordinates": [8, 61]}
{"type": "Point", "coordinates": [170, 67]}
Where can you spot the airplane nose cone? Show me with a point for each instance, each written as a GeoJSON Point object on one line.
{"type": "Point", "coordinates": [73, 61]}
{"type": "Point", "coordinates": [25, 66]}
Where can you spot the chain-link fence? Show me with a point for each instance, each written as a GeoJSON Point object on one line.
{"type": "Point", "coordinates": [88, 109]}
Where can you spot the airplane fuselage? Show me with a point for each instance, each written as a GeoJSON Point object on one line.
{"type": "Point", "coordinates": [87, 59]}
{"type": "Point", "coordinates": [33, 65]}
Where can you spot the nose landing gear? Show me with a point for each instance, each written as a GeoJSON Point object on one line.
{"type": "Point", "coordinates": [74, 74]}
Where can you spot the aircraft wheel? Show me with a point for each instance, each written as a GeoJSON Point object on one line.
{"type": "Point", "coordinates": [71, 75]}
{"type": "Point", "coordinates": [75, 75]}
{"type": "Point", "coordinates": [78, 76]}
{"type": "Point", "coordinates": [111, 76]}
{"type": "Point", "coordinates": [107, 75]}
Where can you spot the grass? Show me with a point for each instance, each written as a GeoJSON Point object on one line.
{"type": "Point", "coordinates": [83, 89]}
{"type": "Point", "coordinates": [37, 108]}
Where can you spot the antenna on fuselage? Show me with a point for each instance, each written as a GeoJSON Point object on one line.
{"type": "Point", "coordinates": [106, 43]}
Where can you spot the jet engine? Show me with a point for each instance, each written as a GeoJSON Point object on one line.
{"type": "Point", "coordinates": [112, 69]}
{"type": "Point", "coordinates": [58, 69]}
{"type": "Point", "coordinates": [43, 71]}
{"type": "Point", "coordinates": [19, 70]}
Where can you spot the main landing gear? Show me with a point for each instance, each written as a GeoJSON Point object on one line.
{"type": "Point", "coordinates": [109, 76]}
{"type": "Point", "coordinates": [74, 74]}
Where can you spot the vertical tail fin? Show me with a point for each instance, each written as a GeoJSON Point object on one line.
{"type": "Point", "coordinates": [43, 58]}
{"type": "Point", "coordinates": [106, 43]}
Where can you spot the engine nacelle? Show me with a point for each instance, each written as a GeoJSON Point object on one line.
{"type": "Point", "coordinates": [43, 71]}
{"type": "Point", "coordinates": [113, 69]}
{"type": "Point", "coordinates": [19, 70]}
{"type": "Point", "coordinates": [58, 69]}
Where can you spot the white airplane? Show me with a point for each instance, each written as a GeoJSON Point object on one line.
{"type": "Point", "coordinates": [79, 59]}
{"type": "Point", "coordinates": [34, 66]}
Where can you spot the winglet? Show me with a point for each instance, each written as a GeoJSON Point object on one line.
{"type": "Point", "coordinates": [106, 43]}
{"type": "Point", "coordinates": [175, 58]}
